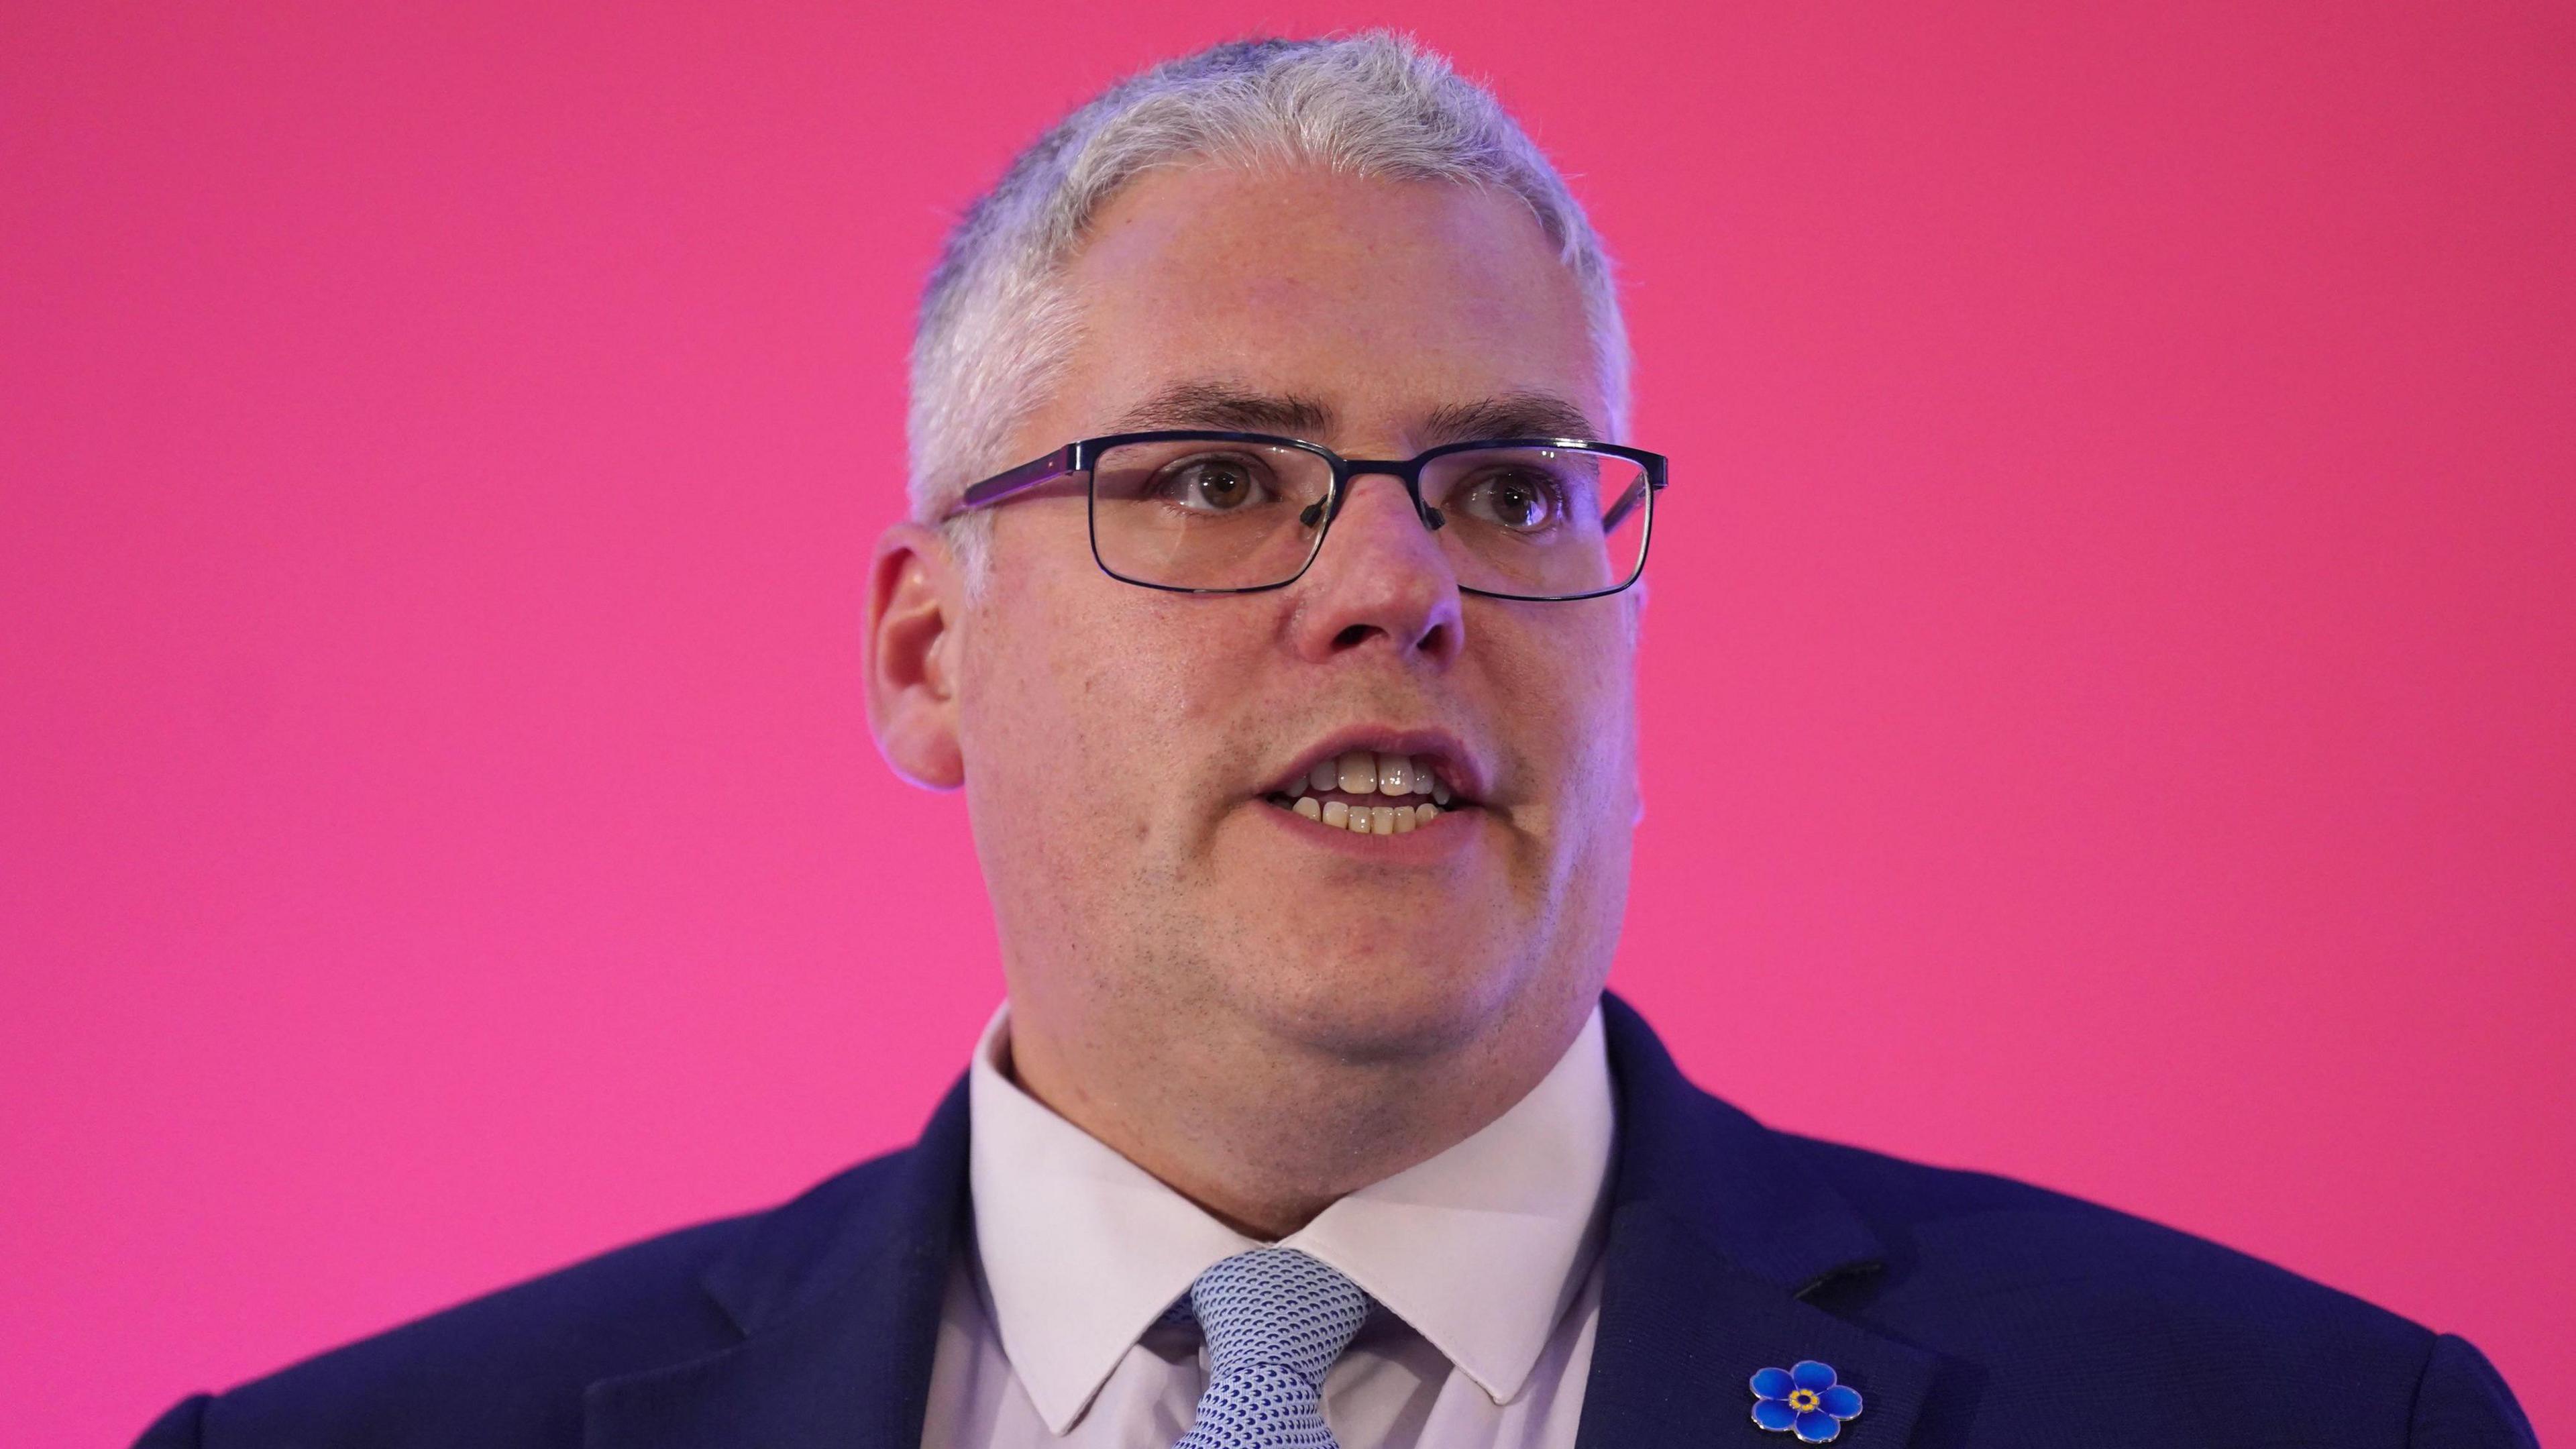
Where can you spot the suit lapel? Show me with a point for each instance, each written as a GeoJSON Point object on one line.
{"type": "Point", "coordinates": [837, 1296]}
{"type": "Point", "coordinates": [1683, 1331]}
{"type": "Point", "coordinates": [1716, 1230]}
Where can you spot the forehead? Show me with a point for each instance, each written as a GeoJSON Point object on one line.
{"type": "Point", "coordinates": [1385, 301]}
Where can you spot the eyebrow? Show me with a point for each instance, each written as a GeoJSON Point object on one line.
{"type": "Point", "coordinates": [1221, 408]}
{"type": "Point", "coordinates": [1511, 415]}
{"type": "Point", "coordinates": [1225, 408]}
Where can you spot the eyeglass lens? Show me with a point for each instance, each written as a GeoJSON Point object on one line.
{"type": "Point", "coordinates": [1527, 522]}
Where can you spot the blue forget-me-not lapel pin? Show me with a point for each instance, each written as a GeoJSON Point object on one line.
{"type": "Point", "coordinates": [1805, 1400]}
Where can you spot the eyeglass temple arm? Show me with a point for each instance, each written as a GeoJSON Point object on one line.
{"type": "Point", "coordinates": [1016, 480]}
{"type": "Point", "coordinates": [1626, 505]}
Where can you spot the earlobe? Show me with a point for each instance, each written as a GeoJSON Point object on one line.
{"type": "Point", "coordinates": [914, 607]}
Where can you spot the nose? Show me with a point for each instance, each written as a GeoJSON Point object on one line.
{"type": "Point", "coordinates": [1380, 581]}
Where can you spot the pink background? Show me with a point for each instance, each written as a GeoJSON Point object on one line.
{"type": "Point", "coordinates": [2109, 688]}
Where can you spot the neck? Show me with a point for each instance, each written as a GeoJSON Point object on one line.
{"type": "Point", "coordinates": [1265, 1131]}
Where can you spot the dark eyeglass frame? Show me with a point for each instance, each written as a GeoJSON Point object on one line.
{"type": "Point", "coordinates": [1083, 458]}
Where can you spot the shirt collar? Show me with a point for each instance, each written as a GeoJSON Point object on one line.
{"type": "Point", "coordinates": [1480, 1249]}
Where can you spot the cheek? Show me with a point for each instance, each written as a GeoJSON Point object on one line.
{"type": "Point", "coordinates": [1573, 712]}
{"type": "Point", "coordinates": [1098, 705]}
{"type": "Point", "coordinates": [1570, 700]}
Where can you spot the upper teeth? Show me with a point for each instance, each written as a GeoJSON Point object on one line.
{"type": "Point", "coordinates": [1364, 772]}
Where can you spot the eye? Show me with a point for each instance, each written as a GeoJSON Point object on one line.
{"type": "Point", "coordinates": [1524, 500]}
{"type": "Point", "coordinates": [1217, 484]}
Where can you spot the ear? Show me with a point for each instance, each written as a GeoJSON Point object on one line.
{"type": "Point", "coordinates": [916, 602]}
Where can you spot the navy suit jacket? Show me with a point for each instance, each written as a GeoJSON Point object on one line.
{"type": "Point", "coordinates": [1966, 1309]}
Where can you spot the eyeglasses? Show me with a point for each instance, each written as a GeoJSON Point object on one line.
{"type": "Point", "coordinates": [1239, 513]}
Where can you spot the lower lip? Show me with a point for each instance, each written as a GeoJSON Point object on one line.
{"type": "Point", "coordinates": [1445, 835]}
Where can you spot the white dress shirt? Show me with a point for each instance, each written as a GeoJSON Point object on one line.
{"type": "Point", "coordinates": [1483, 1260]}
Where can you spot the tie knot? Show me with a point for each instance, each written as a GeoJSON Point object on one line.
{"type": "Point", "coordinates": [1276, 1307]}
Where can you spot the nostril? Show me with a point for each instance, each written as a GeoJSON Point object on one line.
{"type": "Point", "coordinates": [1435, 641]}
{"type": "Point", "coordinates": [1355, 634]}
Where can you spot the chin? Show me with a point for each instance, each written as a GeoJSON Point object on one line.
{"type": "Point", "coordinates": [1384, 994]}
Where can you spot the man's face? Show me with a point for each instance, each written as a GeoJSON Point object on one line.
{"type": "Point", "coordinates": [1128, 754]}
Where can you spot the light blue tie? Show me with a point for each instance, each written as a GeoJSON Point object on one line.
{"type": "Point", "coordinates": [1275, 1319]}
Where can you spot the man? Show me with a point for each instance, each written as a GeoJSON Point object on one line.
{"type": "Point", "coordinates": [1270, 593]}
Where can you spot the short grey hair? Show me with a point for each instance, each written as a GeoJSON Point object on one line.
{"type": "Point", "coordinates": [995, 327]}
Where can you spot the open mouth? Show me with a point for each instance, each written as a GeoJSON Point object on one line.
{"type": "Point", "coordinates": [1368, 792]}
